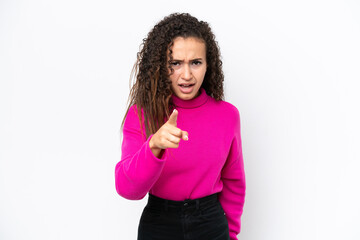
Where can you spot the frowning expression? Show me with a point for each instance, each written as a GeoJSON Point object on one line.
{"type": "Point", "coordinates": [189, 64]}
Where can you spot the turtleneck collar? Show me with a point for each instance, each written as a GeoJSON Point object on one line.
{"type": "Point", "coordinates": [192, 103]}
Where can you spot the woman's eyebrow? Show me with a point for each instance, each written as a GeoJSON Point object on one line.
{"type": "Point", "coordinates": [195, 59]}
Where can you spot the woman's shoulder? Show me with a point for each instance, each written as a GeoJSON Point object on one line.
{"type": "Point", "coordinates": [133, 109]}
{"type": "Point", "coordinates": [226, 107]}
{"type": "Point", "coordinates": [132, 115]}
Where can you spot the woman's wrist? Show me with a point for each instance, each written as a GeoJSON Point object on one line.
{"type": "Point", "coordinates": [151, 144]}
{"type": "Point", "coordinates": [155, 150]}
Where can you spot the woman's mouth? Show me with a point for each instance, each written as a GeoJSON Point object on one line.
{"type": "Point", "coordinates": [186, 88]}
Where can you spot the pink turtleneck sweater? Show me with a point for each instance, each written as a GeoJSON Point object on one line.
{"type": "Point", "coordinates": [210, 161]}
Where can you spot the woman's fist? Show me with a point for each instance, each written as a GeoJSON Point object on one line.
{"type": "Point", "coordinates": [168, 136]}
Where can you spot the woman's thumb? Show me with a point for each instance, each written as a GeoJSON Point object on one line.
{"type": "Point", "coordinates": [185, 135]}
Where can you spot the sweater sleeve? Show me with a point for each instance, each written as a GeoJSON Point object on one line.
{"type": "Point", "coordinates": [139, 168]}
{"type": "Point", "coordinates": [232, 196]}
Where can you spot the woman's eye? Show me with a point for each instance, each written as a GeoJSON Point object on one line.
{"type": "Point", "coordinates": [175, 63]}
{"type": "Point", "coordinates": [196, 62]}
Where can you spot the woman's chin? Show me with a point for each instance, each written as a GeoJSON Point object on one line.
{"type": "Point", "coordinates": [186, 96]}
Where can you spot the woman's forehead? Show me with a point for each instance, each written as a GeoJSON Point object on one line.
{"type": "Point", "coordinates": [188, 48]}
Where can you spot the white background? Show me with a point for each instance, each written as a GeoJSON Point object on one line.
{"type": "Point", "coordinates": [291, 68]}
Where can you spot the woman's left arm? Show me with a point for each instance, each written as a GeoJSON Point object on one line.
{"type": "Point", "coordinates": [232, 197]}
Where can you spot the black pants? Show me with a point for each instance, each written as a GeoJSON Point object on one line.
{"type": "Point", "coordinates": [197, 219]}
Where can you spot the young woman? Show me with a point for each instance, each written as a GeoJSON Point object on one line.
{"type": "Point", "coordinates": [181, 141]}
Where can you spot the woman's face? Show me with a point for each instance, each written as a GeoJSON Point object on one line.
{"type": "Point", "coordinates": [189, 64]}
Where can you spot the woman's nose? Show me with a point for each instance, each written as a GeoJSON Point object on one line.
{"type": "Point", "coordinates": [187, 72]}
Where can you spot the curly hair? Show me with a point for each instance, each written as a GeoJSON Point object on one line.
{"type": "Point", "coordinates": [152, 89]}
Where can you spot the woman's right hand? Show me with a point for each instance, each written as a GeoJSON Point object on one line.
{"type": "Point", "coordinates": [168, 136]}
